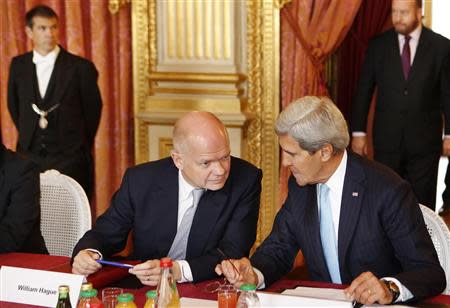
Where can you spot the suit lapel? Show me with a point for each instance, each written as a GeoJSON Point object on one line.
{"type": "Point", "coordinates": [352, 195]}
{"type": "Point", "coordinates": [62, 77]}
{"type": "Point", "coordinates": [312, 224]}
{"type": "Point", "coordinates": [394, 53]}
{"type": "Point", "coordinates": [208, 212]}
{"type": "Point", "coordinates": [421, 58]}
{"type": "Point", "coordinates": [27, 80]}
{"type": "Point", "coordinates": [167, 215]}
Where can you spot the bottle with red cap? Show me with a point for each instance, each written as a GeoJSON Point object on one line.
{"type": "Point", "coordinates": [167, 287]}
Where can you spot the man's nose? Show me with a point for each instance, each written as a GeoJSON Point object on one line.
{"type": "Point", "coordinates": [50, 32]}
{"type": "Point", "coordinates": [285, 160]}
{"type": "Point", "coordinates": [219, 169]}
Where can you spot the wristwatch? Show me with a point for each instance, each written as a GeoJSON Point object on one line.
{"type": "Point", "coordinates": [392, 288]}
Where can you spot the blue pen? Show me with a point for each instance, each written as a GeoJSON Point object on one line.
{"type": "Point", "coordinates": [122, 265]}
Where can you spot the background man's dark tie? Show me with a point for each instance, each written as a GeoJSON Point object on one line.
{"type": "Point", "coordinates": [406, 57]}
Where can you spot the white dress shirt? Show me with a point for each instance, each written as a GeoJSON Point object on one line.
{"type": "Point", "coordinates": [44, 68]}
{"type": "Point", "coordinates": [336, 185]}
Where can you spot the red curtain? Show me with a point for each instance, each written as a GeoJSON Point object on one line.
{"type": "Point", "coordinates": [370, 21]}
{"type": "Point", "coordinates": [87, 29]}
{"type": "Point", "coordinates": [310, 31]}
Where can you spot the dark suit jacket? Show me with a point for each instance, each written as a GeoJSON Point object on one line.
{"type": "Point", "coordinates": [147, 203]}
{"type": "Point", "coordinates": [73, 85]}
{"type": "Point", "coordinates": [19, 205]}
{"type": "Point", "coordinates": [381, 229]}
{"type": "Point", "coordinates": [409, 109]}
{"type": "Point", "coordinates": [76, 90]}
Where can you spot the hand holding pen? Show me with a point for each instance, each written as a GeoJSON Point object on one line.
{"type": "Point", "coordinates": [237, 272]}
{"type": "Point", "coordinates": [116, 264]}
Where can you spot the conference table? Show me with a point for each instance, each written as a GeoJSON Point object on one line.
{"type": "Point", "coordinates": [113, 276]}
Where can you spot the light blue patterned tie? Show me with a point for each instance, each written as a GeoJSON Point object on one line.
{"type": "Point", "coordinates": [327, 234]}
{"type": "Point", "coordinates": [179, 245]}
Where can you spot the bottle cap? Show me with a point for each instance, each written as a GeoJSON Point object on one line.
{"type": "Point", "coordinates": [63, 289]}
{"type": "Point", "coordinates": [248, 287]}
{"type": "Point", "coordinates": [165, 262]}
{"type": "Point", "coordinates": [125, 298]}
{"type": "Point", "coordinates": [86, 286]}
{"type": "Point", "coordinates": [151, 294]}
{"type": "Point", "coordinates": [89, 293]}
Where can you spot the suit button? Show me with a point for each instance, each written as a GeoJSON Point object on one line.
{"type": "Point", "coordinates": [405, 92]}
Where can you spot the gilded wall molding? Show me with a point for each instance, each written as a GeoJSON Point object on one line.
{"type": "Point", "coordinates": [196, 77]}
{"type": "Point", "coordinates": [263, 101]}
{"type": "Point", "coordinates": [115, 5]}
{"type": "Point", "coordinates": [243, 92]}
{"type": "Point", "coordinates": [144, 61]}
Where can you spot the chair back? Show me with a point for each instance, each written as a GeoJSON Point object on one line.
{"type": "Point", "coordinates": [440, 235]}
{"type": "Point", "coordinates": [65, 212]}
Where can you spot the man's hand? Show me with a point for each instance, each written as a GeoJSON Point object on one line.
{"type": "Point", "coordinates": [84, 263]}
{"type": "Point", "coordinates": [446, 146]}
{"type": "Point", "coordinates": [368, 289]}
{"type": "Point", "coordinates": [237, 272]}
{"type": "Point", "coordinates": [359, 145]}
{"type": "Point", "coordinates": [148, 272]}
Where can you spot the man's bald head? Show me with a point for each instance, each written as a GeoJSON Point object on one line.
{"type": "Point", "coordinates": [202, 150]}
{"type": "Point", "coordinates": [198, 127]}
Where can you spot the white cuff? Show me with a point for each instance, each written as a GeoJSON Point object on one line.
{"type": "Point", "coordinates": [96, 251]}
{"type": "Point", "coordinates": [186, 273]}
{"type": "Point", "coordinates": [261, 284]}
{"type": "Point", "coordinates": [405, 294]}
{"type": "Point", "coordinates": [358, 134]}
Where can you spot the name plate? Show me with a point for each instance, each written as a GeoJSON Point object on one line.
{"type": "Point", "coordinates": [36, 287]}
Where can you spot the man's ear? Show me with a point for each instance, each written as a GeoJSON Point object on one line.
{"type": "Point", "coordinates": [29, 32]}
{"type": "Point", "coordinates": [326, 152]}
{"type": "Point", "coordinates": [177, 159]}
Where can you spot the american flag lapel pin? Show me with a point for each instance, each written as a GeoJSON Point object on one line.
{"type": "Point", "coordinates": [355, 194]}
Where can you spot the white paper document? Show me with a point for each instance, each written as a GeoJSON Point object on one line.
{"type": "Point", "coordinates": [336, 295]}
{"type": "Point", "coordinates": [187, 302]}
{"type": "Point", "coordinates": [332, 294]}
{"type": "Point", "coordinates": [283, 300]}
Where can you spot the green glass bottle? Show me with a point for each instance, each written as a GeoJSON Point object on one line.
{"type": "Point", "coordinates": [63, 297]}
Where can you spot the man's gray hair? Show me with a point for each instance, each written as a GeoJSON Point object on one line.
{"type": "Point", "coordinates": [314, 122]}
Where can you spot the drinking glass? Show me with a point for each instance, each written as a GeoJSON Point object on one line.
{"type": "Point", "coordinates": [109, 296]}
{"type": "Point", "coordinates": [227, 296]}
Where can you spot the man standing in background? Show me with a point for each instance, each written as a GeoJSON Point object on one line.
{"type": "Point", "coordinates": [54, 101]}
{"type": "Point", "coordinates": [409, 66]}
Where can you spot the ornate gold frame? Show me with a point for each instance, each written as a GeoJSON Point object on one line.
{"type": "Point", "coordinates": [263, 91]}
